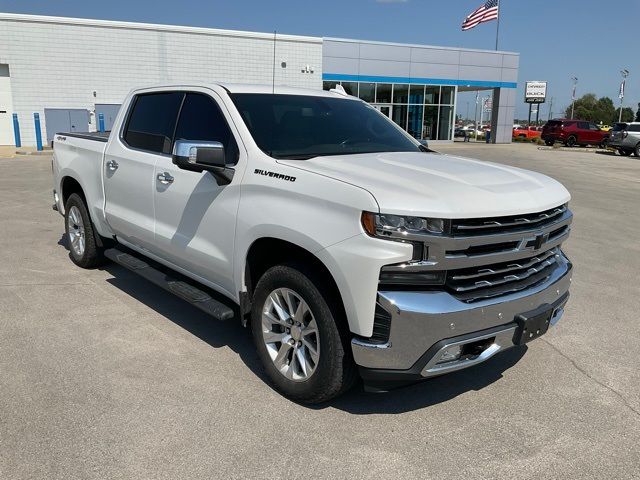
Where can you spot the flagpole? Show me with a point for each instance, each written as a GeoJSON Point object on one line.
{"type": "Point", "coordinates": [498, 26]}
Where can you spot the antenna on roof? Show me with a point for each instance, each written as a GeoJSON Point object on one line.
{"type": "Point", "coordinates": [339, 89]}
{"type": "Point", "coordinates": [273, 73]}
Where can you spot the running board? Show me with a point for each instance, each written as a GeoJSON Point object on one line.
{"type": "Point", "coordinates": [198, 298]}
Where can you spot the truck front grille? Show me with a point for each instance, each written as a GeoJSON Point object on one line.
{"type": "Point", "coordinates": [513, 223]}
{"type": "Point", "coordinates": [486, 281]}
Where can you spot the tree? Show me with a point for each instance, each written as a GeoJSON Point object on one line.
{"type": "Point", "coordinates": [599, 110]}
{"type": "Point", "coordinates": [627, 114]}
{"type": "Point", "coordinates": [638, 114]}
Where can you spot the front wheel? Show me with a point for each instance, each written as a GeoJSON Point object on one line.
{"type": "Point", "coordinates": [80, 235]}
{"type": "Point", "coordinates": [624, 152]}
{"type": "Point", "coordinates": [604, 143]}
{"type": "Point", "coordinates": [548, 143]}
{"type": "Point", "coordinates": [295, 331]}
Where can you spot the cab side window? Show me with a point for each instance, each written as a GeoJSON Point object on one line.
{"type": "Point", "coordinates": [152, 121]}
{"type": "Point", "coordinates": [201, 119]}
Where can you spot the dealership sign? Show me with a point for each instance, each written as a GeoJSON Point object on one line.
{"type": "Point", "coordinates": [535, 92]}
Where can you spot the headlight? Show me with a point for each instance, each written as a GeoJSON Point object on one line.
{"type": "Point", "coordinates": [381, 225]}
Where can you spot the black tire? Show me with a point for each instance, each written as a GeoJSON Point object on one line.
{"type": "Point", "coordinates": [92, 255]}
{"type": "Point", "coordinates": [571, 141]}
{"type": "Point", "coordinates": [637, 150]}
{"type": "Point", "coordinates": [549, 143]}
{"type": "Point", "coordinates": [624, 152]}
{"type": "Point", "coordinates": [335, 371]}
{"type": "Point", "coordinates": [604, 143]}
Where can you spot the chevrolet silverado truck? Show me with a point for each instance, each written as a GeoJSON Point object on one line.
{"type": "Point", "coordinates": [346, 246]}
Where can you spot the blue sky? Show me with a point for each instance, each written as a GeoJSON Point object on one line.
{"type": "Point", "coordinates": [556, 38]}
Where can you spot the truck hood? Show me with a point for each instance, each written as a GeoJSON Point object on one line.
{"type": "Point", "coordinates": [440, 186]}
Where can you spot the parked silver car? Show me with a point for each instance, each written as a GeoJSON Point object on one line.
{"type": "Point", "coordinates": [625, 137]}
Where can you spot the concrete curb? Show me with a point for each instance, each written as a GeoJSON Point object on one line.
{"type": "Point", "coordinates": [34, 152]}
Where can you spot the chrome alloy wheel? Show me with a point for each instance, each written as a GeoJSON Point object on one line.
{"type": "Point", "coordinates": [76, 230]}
{"type": "Point", "coordinates": [290, 333]}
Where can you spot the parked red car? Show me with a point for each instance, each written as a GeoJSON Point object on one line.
{"type": "Point", "coordinates": [574, 132]}
{"type": "Point", "coordinates": [526, 132]}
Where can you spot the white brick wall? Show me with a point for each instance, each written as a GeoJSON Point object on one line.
{"type": "Point", "coordinates": [59, 63]}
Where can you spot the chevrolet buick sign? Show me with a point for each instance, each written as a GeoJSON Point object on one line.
{"type": "Point", "coordinates": [535, 92]}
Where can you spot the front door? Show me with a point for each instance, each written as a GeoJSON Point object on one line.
{"type": "Point", "coordinates": [196, 211]}
{"type": "Point", "coordinates": [129, 166]}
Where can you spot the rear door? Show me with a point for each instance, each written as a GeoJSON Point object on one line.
{"type": "Point", "coordinates": [595, 134]}
{"type": "Point", "coordinates": [195, 211]}
{"type": "Point", "coordinates": [583, 133]}
{"type": "Point", "coordinates": [130, 162]}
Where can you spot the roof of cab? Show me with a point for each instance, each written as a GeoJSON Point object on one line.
{"type": "Point", "coordinates": [249, 88]}
{"type": "Point", "coordinates": [278, 89]}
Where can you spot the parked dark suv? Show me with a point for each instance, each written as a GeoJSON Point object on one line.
{"type": "Point", "coordinates": [574, 132]}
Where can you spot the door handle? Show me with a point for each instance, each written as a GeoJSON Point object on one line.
{"type": "Point", "coordinates": [112, 165]}
{"type": "Point", "coordinates": [165, 178]}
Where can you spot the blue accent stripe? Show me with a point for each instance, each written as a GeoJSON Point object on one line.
{"type": "Point", "coordinates": [336, 77]}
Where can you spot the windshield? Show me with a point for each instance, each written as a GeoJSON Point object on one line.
{"type": "Point", "coordinates": [302, 127]}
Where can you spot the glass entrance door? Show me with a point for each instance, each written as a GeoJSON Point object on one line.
{"type": "Point", "coordinates": [384, 109]}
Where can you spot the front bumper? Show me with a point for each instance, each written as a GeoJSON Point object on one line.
{"type": "Point", "coordinates": [423, 324]}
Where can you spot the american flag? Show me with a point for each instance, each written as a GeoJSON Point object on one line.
{"type": "Point", "coordinates": [487, 11]}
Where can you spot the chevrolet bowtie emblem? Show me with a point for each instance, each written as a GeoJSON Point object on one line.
{"type": "Point", "coordinates": [541, 239]}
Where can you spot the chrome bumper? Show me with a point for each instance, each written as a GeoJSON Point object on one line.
{"type": "Point", "coordinates": [424, 324]}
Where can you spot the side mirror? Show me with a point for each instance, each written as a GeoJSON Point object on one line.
{"type": "Point", "coordinates": [198, 155]}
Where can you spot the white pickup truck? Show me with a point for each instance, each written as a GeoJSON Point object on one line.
{"type": "Point", "coordinates": [348, 248]}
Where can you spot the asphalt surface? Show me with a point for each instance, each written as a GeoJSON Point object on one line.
{"type": "Point", "coordinates": [103, 376]}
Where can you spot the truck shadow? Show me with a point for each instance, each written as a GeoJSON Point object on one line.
{"type": "Point", "coordinates": [428, 392]}
{"type": "Point", "coordinates": [357, 401]}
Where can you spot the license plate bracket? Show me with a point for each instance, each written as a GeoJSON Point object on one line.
{"type": "Point", "coordinates": [533, 324]}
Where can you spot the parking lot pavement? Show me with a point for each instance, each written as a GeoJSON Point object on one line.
{"type": "Point", "coordinates": [104, 376]}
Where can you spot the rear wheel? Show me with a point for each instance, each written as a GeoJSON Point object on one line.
{"type": "Point", "coordinates": [80, 234]}
{"type": "Point", "coordinates": [637, 150]}
{"type": "Point", "coordinates": [604, 143]}
{"type": "Point", "coordinates": [624, 152]}
{"type": "Point", "coordinates": [571, 141]}
{"type": "Point", "coordinates": [297, 337]}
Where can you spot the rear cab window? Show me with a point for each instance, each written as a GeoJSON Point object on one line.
{"type": "Point", "coordinates": [152, 121]}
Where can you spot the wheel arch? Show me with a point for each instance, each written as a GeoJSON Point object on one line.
{"type": "Point", "coordinates": [266, 252]}
{"type": "Point", "coordinates": [68, 186]}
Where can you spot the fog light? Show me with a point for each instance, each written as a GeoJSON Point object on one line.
{"type": "Point", "coordinates": [450, 354]}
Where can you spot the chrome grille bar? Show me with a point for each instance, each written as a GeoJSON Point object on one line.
{"type": "Point", "coordinates": [505, 223]}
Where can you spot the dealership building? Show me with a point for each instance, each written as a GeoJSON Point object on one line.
{"type": "Point", "coordinates": [74, 72]}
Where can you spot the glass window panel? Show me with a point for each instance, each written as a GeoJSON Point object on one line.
{"type": "Point", "coordinates": [415, 121]}
{"type": "Point", "coordinates": [446, 95]}
{"type": "Point", "coordinates": [444, 132]}
{"type": "Point", "coordinates": [368, 92]}
{"type": "Point", "coordinates": [430, 123]}
{"type": "Point", "coordinates": [432, 95]}
{"type": "Point", "coordinates": [329, 85]}
{"type": "Point", "coordinates": [383, 93]}
{"type": "Point", "coordinates": [201, 119]}
{"type": "Point", "coordinates": [400, 93]}
{"type": "Point", "coordinates": [400, 115]}
{"type": "Point", "coordinates": [153, 120]}
{"type": "Point", "coordinates": [351, 88]}
{"type": "Point", "coordinates": [416, 94]}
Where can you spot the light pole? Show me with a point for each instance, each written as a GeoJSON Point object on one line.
{"type": "Point", "coordinates": [625, 74]}
{"type": "Point", "coordinates": [573, 94]}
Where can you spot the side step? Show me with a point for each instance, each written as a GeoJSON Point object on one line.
{"type": "Point", "coordinates": [195, 296]}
